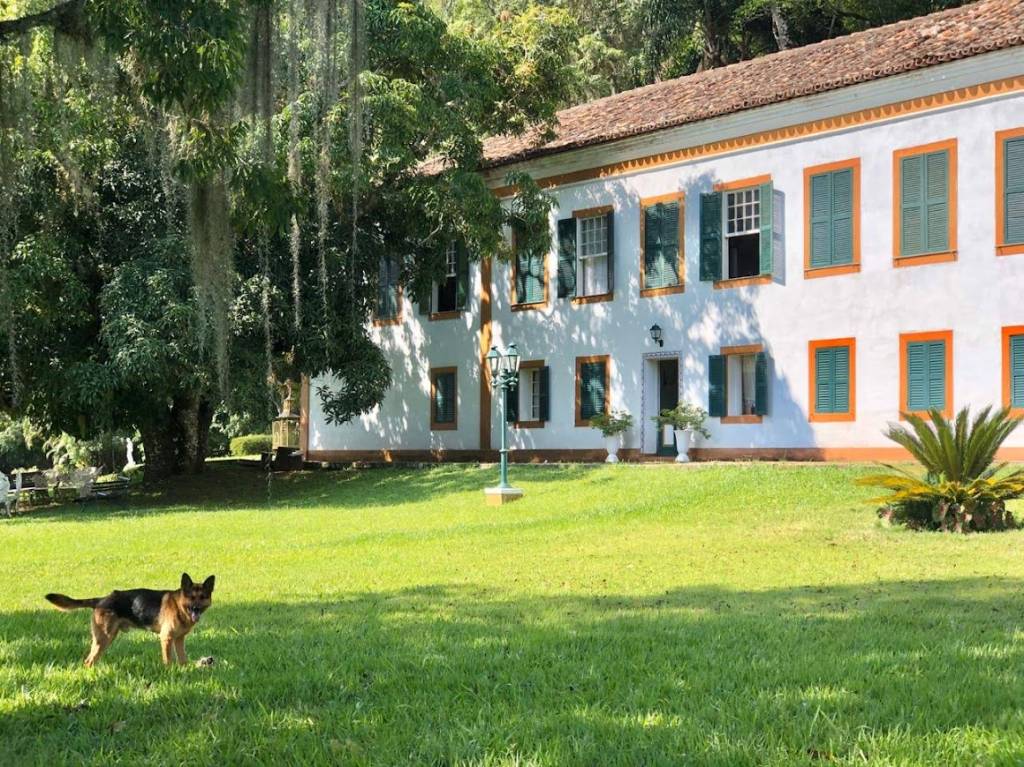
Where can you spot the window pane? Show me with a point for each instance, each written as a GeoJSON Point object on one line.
{"type": "Point", "coordinates": [748, 377]}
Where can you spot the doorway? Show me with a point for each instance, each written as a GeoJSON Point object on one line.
{"type": "Point", "coordinates": [668, 398]}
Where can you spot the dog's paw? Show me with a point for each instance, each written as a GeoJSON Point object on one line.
{"type": "Point", "coordinates": [209, 660]}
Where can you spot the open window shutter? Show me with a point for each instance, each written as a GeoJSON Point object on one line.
{"type": "Point", "coordinates": [711, 237]}
{"type": "Point", "coordinates": [841, 379]}
{"type": "Point", "coordinates": [1014, 193]}
{"type": "Point", "coordinates": [767, 228]}
{"type": "Point", "coordinates": [842, 217]}
{"type": "Point", "coordinates": [653, 217]}
{"type": "Point", "coordinates": [567, 258]}
{"type": "Point", "coordinates": [535, 284]}
{"type": "Point", "coordinates": [761, 383]}
{"type": "Point", "coordinates": [937, 201]}
{"type": "Point", "coordinates": [670, 244]}
{"type": "Point", "coordinates": [937, 374]}
{"type": "Point", "coordinates": [545, 393]}
{"type": "Point", "coordinates": [821, 220]}
{"type": "Point", "coordinates": [824, 380]}
{"type": "Point", "coordinates": [912, 239]}
{"type": "Point", "coordinates": [512, 402]}
{"type": "Point", "coordinates": [462, 271]}
{"type": "Point", "coordinates": [716, 386]}
{"type": "Point", "coordinates": [1017, 371]}
{"type": "Point", "coordinates": [917, 376]}
{"type": "Point", "coordinates": [610, 219]}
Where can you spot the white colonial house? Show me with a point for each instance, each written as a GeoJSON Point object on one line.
{"type": "Point", "coordinates": [826, 237]}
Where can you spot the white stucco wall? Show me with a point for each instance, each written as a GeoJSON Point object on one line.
{"type": "Point", "coordinates": [974, 296]}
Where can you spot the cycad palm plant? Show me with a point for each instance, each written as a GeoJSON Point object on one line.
{"type": "Point", "coordinates": [962, 489]}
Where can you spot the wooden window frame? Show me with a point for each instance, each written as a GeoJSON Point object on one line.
{"type": "Point", "coordinates": [600, 210]}
{"type": "Point", "coordinates": [739, 282]}
{"type": "Point", "coordinates": [536, 305]}
{"type": "Point", "coordinates": [434, 425]}
{"type": "Point", "coordinates": [729, 351]}
{"type": "Point", "coordinates": [813, 272]}
{"type": "Point", "coordinates": [1008, 332]}
{"type": "Point", "coordinates": [397, 319]}
{"type": "Point", "coordinates": [812, 375]}
{"type": "Point", "coordinates": [529, 365]}
{"type": "Point", "coordinates": [950, 254]}
{"type": "Point", "coordinates": [580, 362]}
{"type": "Point", "coordinates": [648, 202]}
{"type": "Point", "coordinates": [1002, 247]}
{"type": "Point", "coordinates": [931, 335]}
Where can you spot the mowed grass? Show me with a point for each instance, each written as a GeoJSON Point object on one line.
{"type": "Point", "coordinates": [632, 615]}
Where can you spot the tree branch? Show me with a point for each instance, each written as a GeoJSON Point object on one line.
{"type": "Point", "coordinates": [64, 15]}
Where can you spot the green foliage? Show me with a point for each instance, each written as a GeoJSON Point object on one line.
{"type": "Point", "coordinates": [962, 489]}
{"type": "Point", "coordinates": [684, 416]}
{"type": "Point", "coordinates": [613, 423]}
{"type": "Point", "coordinates": [250, 444]}
{"type": "Point", "coordinates": [21, 446]}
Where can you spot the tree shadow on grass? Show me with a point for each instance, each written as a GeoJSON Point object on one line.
{"type": "Point", "coordinates": [898, 672]}
{"type": "Point", "coordinates": [229, 487]}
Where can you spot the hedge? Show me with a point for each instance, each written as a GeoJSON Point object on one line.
{"type": "Point", "coordinates": [250, 444]}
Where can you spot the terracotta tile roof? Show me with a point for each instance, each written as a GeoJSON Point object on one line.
{"type": "Point", "coordinates": [949, 35]}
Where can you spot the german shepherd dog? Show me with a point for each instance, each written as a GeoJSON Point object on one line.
{"type": "Point", "coordinates": [171, 614]}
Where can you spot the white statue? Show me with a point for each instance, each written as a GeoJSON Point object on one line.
{"type": "Point", "coordinates": [5, 493]}
{"type": "Point", "coordinates": [130, 450]}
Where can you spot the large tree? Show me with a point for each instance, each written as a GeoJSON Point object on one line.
{"type": "Point", "coordinates": [202, 192]}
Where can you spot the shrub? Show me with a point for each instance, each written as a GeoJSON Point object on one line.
{"type": "Point", "coordinates": [250, 444]}
{"type": "Point", "coordinates": [961, 490]}
{"type": "Point", "coordinates": [613, 423]}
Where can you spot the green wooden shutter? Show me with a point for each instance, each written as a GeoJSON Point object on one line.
{"type": "Point", "coordinates": [716, 386]}
{"type": "Point", "coordinates": [545, 393]}
{"type": "Point", "coordinates": [937, 201]}
{"type": "Point", "coordinates": [937, 374]}
{"type": "Point", "coordinates": [825, 380]}
{"type": "Point", "coordinates": [592, 394]}
{"type": "Point", "coordinates": [917, 376]}
{"type": "Point", "coordinates": [462, 275]}
{"type": "Point", "coordinates": [1014, 192]}
{"type": "Point", "coordinates": [654, 276]}
{"type": "Point", "coordinates": [912, 237]}
{"type": "Point", "coordinates": [387, 291]}
{"type": "Point", "coordinates": [512, 402]}
{"type": "Point", "coordinates": [535, 282]}
{"type": "Point", "coordinates": [1017, 371]}
{"type": "Point", "coordinates": [761, 383]}
{"type": "Point", "coordinates": [767, 243]}
{"type": "Point", "coordinates": [567, 258]}
{"type": "Point", "coordinates": [821, 220]}
{"type": "Point", "coordinates": [610, 219]}
{"type": "Point", "coordinates": [711, 236]}
{"type": "Point", "coordinates": [841, 379]}
{"type": "Point", "coordinates": [444, 398]}
{"type": "Point", "coordinates": [842, 217]}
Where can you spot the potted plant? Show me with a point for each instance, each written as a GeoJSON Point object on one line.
{"type": "Point", "coordinates": [685, 420]}
{"type": "Point", "coordinates": [612, 425]}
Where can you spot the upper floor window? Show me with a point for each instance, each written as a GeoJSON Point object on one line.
{"type": "Point", "coordinates": [925, 199]}
{"type": "Point", "coordinates": [738, 231]}
{"type": "Point", "coordinates": [1010, 192]}
{"type": "Point", "coordinates": [662, 266]}
{"type": "Point", "coordinates": [449, 296]}
{"type": "Point", "coordinates": [529, 279]}
{"type": "Point", "coordinates": [389, 294]}
{"type": "Point", "coordinates": [586, 255]}
{"type": "Point", "coordinates": [832, 218]}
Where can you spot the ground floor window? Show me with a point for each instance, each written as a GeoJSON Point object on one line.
{"type": "Point", "coordinates": [1013, 368]}
{"type": "Point", "coordinates": [592, 387]}
{"type": "Point", "coordinates": [527, 406]}
{"type": "Point", "coordinates": [443, 399]}
{"type": "Point", "coordinates": [738, 384]}
{"type": "Point", "coordinates": [926, 372]}
{"type": "Point", "coordinates": [831, 366]}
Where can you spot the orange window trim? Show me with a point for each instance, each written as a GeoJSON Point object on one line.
{"type": "Point", "coordinates": [514, 271]}
{"type": "Point", "coordinates": [743, 183]}
{"type": "Point", "coordinates": [434, 425]}
{"type": "Point", "coordinates": [934, 335]}
{"type": "Point", "coordinates": [580, 362]}
{"type": "Point", "coordinates": [743, 282]}
{"type": "Point", "coordinates": [645, 203]}
{"type": "Point", "coordinates": [1008, 333]}
{"type": "Point", "coordinates": [396, 320]}
{"type": "Point", "coordinates": [885, 113]}
{"type": "Point", "coordinates": [600, 210]}
{"type": "Point", "coordinates": [812, 347]}
{"type": "Point", "coordinates": [529, 365]}
{"type": "Point", "coordinates": [950, 145]}
{"type": "Point", "coordinates": [1002, 248]}
{"type": "Point", "coordinates": [832, 271]}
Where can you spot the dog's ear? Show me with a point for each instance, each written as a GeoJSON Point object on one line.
{"type": "Point", "coordinates": [208, 584]}
{"type": "Point", "coordinates": [186, 582]}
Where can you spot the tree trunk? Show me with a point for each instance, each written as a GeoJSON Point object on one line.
{"type": "Point", "coordinates": [176, 443]}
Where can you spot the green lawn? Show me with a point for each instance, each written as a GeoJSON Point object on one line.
{"type": "Point", "coordinates": [633, 615]}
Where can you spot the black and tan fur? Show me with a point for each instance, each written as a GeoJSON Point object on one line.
{"type": "Point", "coordinates": [171, 614]}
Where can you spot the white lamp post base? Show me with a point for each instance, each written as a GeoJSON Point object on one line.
{"type": "Point", "coordinates": [498, 496]}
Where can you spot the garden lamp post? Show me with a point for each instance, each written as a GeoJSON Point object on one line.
{"type": "Point", "coordinates": [504, 372]}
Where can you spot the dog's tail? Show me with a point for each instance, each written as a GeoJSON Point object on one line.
{"type": "Point", "coordinates": [62, 602]}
